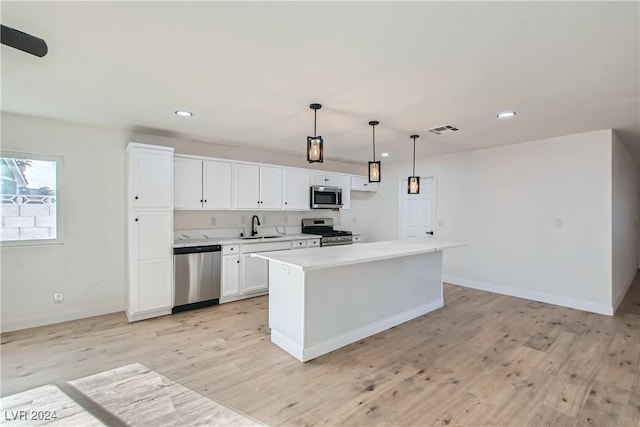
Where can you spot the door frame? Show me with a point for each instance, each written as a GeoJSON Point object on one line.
{"type": "Point", "coordinates": [403, 191]}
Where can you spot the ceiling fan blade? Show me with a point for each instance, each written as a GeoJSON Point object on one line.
{"type": "Point", "coordinates": [23, 41]}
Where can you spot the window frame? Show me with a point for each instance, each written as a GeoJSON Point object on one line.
{"type": "Point", "coordinates": [59, 160]}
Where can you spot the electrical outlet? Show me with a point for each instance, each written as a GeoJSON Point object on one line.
{"type": "Point", "coordinates": [559, 223]}
{"type": "Point", "coordinates": [243, 219]}
{"type": "Point", "coordinates": [58, 298]}
{"type": "Point", "coordinates": [213, 220]}
{"type": "Point", "coordinates": [264, 220]}
{"type": "Point", "coordinates": [286, 219]}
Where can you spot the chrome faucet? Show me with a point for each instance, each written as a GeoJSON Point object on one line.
{"type": "Point", "coordinates": [254, 231]}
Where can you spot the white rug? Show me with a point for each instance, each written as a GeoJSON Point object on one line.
{"type": "Point", "coordinates": [132, 395]}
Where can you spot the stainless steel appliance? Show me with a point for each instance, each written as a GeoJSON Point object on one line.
{"type": "Point", "coordinates": [323, 197]}
{"type": "Point", "coordinates": [324, 227]}
{"type": "Point", "coordinates": [197, 276]}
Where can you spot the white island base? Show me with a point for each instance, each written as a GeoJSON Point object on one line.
{"type": "Point", "coordinates": [321, 299]}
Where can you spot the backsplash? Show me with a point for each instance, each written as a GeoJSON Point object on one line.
{"type": "Point", "coordinates": [196, 220]}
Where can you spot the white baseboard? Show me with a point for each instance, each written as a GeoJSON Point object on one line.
{"type": "Point", "coordinates": [532, 295]}
{"type": "Point", "coordinates": [52, 318]}
{"type": "Point", "coordinates": [134, 317]}
{"type": "Point", "coordinates": [350, 337]}
{"type": "Point", "coordinates": [287, 345]}
{"type": "Point", "coordinates": [620, 297]}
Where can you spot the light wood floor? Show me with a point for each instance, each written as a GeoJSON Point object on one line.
{"type": "Point", "coordinates": [484, 359]}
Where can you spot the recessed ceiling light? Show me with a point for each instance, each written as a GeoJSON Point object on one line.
{"type": "Point", "coordinates": [184, 113]}
{"type": "Point", "coordinates": [506, 114]}
{"type": "Point", "coordinates": [384, 154]}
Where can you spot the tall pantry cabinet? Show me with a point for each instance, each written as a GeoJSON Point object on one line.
{"type": "Point", "coordinates": [149, 231]}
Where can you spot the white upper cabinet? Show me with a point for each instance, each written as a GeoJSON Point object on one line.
{"type": "Point", "coordinates": [202, 184]}
{"type": "Point", "coordinates": [258, 187]}
{"type": "Point", "coordinates": [151, 177]}
{"type": "Point", "coordinates": [361, 183]}
{"type": "Point", "coordinates": [247, 195]}
{"type": "Point", "coordinates": [187, 183]}
{"type": "Point", "coordinates": [328, 179]}
{"type": "Point", "coordinates": [296, 190]}
{"type": "Point", "coordinates": [217, 184]}
{"type": "Point", "coordinates": [270, 187]}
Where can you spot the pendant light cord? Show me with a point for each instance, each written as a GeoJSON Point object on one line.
{"type": "Point", "coordinates": [374, 142]}
{"type": "Point", "coordinates": [414, 156]}
{"type": "Point", "coordinates": [315, 117]}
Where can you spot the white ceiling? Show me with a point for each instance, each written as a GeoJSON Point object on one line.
{"type": "Point", "coordinates": [249, 71]}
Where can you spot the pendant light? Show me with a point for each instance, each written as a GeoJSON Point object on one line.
{"type": "Point", "coordinates": [414, 181]}
{"type": "Point", "coordinates": [374, 167]}
{"type": "Point", "coordinates": [314, 143]}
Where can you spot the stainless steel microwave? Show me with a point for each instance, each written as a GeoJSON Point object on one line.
{"type": "Point", "coordinates": [323, 197]}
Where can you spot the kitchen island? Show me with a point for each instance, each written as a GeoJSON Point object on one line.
{"type": "Point", "coordinates": [321, 299]}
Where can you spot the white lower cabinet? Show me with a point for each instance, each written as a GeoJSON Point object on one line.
{"type": "Point", "coordinates": [230, 275]}
{"type": "Point", "coordinates": [150, 272]}
{"type": "Point", "coordinates": [255, 274]}
{"type": "Point", "coordinates": [244, 276]}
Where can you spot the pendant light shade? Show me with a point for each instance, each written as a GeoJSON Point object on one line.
{"type": "Point", "coordinates": [314, 143]}
{"type": "Point", "coordinates": [413, 182]}
{"type": "Point", "coordinates": [374, 167]}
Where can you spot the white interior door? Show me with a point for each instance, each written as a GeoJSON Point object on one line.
{"type": "Point", "coordinates": [418, 210]}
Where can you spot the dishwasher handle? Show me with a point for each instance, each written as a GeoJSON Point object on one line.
{"type": "Point", "coordinates": [197, 249]}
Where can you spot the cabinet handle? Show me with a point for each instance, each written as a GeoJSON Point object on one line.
{"type": "Point", "coordinates": [286, 203]}
{"type": "Point", "coordinates": [231, 250]}
{"type": "Point", "coordinates": [205, 200]}
{"type": "Point", "coordinates": [238, 261]}
{"type": "Point", "coordinates": [200, 200]}
{"type": "Point", "coordinates": [136, 197]}
{"type": "Point", "coordinates": [136, 219]}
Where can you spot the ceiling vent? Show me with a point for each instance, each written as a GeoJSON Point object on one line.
{"type": "Point", "coordinates": [439, 130]}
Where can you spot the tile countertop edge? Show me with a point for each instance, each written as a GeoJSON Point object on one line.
{"type": "Point", "coordinates": [337, 261]}
{"type": "Point", "coordinates": [187, 243]}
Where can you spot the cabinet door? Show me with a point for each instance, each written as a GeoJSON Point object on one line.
{"type": "Point", "coordinates": [296, 190]}
{"type": "Point", "coordinates": [187, 183]}
{"type": "Point", "coordinates": [151, 260]}
{"type": "Point", "coordinates": [334, 180]}
{"type": "Point", "coordinates": [230, 275]}
{"type": "Point", "coordinates": [217, 184]}
{"type": "Point", "coordinates": [152, 178]}
{"type": "Point", "coordinates": [256, 274]}
{"type": "Point", "coordinates": [247, 189]}
{"type": "Point", "coordinates": [270, 187]}
{"type": "Point", "coordinates": [154, 290]}
{"type": "Point", "coordinates": [318, 179]}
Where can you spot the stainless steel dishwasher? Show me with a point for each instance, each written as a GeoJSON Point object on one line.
{"type": "Point", "coordinates": [197, 277]}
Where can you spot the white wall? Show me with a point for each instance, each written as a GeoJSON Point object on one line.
{"type": "Point", "coordinates": [624, 220]}
{"type": "Point", "coordinates": [89, 266]}
{"type": "Point", "coordinates": [504, 203]}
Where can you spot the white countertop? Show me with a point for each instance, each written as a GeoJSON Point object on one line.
{"type": "Point", "coordinates": [187, 243]}
{"type": "Point", "coordinates": [336, 256]}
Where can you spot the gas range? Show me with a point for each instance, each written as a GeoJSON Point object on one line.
{"type": "Point", "coordinates": [324, 227]}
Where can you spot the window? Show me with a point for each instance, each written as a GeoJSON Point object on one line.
{"type": "Point", "coordinates": [30, 200]}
